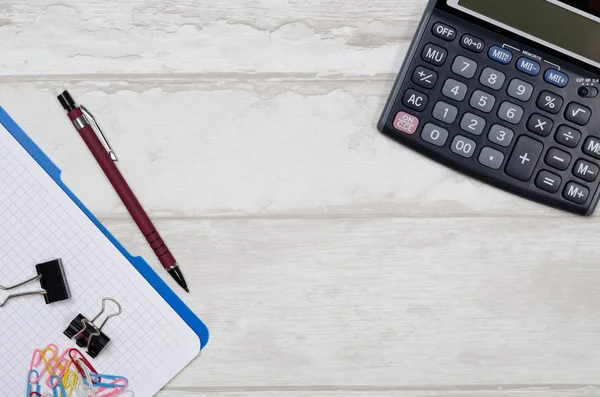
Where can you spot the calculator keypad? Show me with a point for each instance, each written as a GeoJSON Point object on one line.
{"type": "Point", "coordinates": [509, 117]}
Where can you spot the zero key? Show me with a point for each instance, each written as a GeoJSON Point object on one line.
{"type": "Point", "coordinates": [524, 157]}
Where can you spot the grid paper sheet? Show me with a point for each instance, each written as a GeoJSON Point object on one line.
{"type": "Point", "coordinates": [149, 344]}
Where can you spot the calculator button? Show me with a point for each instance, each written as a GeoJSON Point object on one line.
{"type": "Point", "coordinates": [524, 158]}
{"type": "Point", "coordinates": [568, 136]}
{"type": "Point", "coordinates": [501, 135]}
{"type": "Point", "coordinates": [492, 78]}
{"type": "Point", "coordinates": [550, 102]}
{"type": "Point", "coordinates": [445, 112]}
{"type": "Point", "coordinates": [482, 101]}
{"type": "Point", "coordinates": [424, 77]}
{"type": "Point", "coordinates": [444, 32]}
{"type": "Point", "coordinates": [472, 43]}
{"type": "Point", "coordinates": [462, 146]}
{"type": "Point", "coordinates": [491, 158]}
{"type": "Point", "coordinates": [528, 66]}
{"type": "Point", "coordinates": [586, 170]}
{"type": "Point", "coordinates": [454, 90]}
{"type": "Point", "coordinates": [464, 67]}
{"type": "Point", "coordinates": [415, 100]}
{"type": "Point", "coordinates": [434, 54]}
{"type": "Point", "coordinates": [578, 114]}
{"type": "Point", "coordinates": [591, 147]}
{"type": "Point", "coordinates": [434, 134]}
{"type": "Point", "coordinates": [576, 193]}
{"type": "Point", "coordinates": [558, 159]}
{"type": "Point", "coordinates": [510, 113]}
{"type": "Point", "coordinates": [548, 181]}
{"type": "Point", "coordinates": [520, 90]}
{"type": "Point", "coordinates": [499, 54]}
{"type": "Point", "coordinates": [557, 78]}
{"type": "Point", "coordinates": [472, 123]}
{"type": "Point", "coordinates": [406, 122]}
{"type": "Point", "coordinates": [540, 125]}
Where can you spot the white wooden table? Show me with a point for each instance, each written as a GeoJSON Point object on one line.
{"type": "Point", "coordinates": [327, 260]}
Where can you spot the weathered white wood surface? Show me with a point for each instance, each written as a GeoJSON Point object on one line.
{"type": "Point", "coordinates": [326, 260]}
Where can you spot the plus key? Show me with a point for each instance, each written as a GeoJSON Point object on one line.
{"type": "Point", "coordinates": [524, 158]}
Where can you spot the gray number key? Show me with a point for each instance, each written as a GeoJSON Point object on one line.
{"type": "Point", "coordinates": [462, 146]}
{"type": "Point", "coordinates": [454, 90]}
{"type": "Point", "coordinates": [445, 112]}
{"type": "Point", "coordinates": [482, 101]}
{"type": "Point", "coordinates": [510, 112]}
{"type": "Point", "coordinates": [472, 123]}
{"type": "Point", "coordinates": [501, 135]}
{"type": "Point", "coordinates": [435, 135]}
{"type": "Point", "coordinates": [491, 158]}
{"type": "Point", "coordinates": [520, 90]}
{"type": "Point", "coordinates": [492, 78]}
{"type": "Point", "coordinates": [464, 67]}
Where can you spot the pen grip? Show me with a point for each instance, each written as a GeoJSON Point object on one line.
{"type": "Point", "coordinates": [123, 190]}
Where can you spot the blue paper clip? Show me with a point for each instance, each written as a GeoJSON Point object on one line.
{"type": "Point", "coordinates": [58, 387]}
{"type": "Point", "coordinates": [38, 387]}
{"type": "Point", "coordinates": [99, 380]}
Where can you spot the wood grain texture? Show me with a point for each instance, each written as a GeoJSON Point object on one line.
{"type": "Point", "coordinates": [256, 148]}
{"type": "Point", "coordinates": [188, 36]}
{"type": "Point", "coordinates": [352, 303]}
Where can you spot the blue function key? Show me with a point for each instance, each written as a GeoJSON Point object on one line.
{"type": "Point", "coordinates": [528, 66]}
{"type": "Point", "coordinates": [500, 54]}
{"type": "Point", "coordinates": [557, 78]}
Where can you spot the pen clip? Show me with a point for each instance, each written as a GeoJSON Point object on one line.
{"type": "Point", "coordinates": [89, 116]}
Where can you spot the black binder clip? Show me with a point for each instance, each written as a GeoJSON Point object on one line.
{"type": "Point", "coordinates": [89, 335]}
{"type": "Point", "coordinates": [51, 276]}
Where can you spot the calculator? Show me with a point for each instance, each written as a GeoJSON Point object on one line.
{"type": "Point", "coordinates": [506, 91]}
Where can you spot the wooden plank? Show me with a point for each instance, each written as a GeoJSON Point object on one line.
{"type": "Point", "coordinates": [529, 392]}
{"type": "Point", "coordinates": [390, 303]}
{"type": "Point", "coordinates": [217, 148]}
{"type": "Point", "coordinates": [187, 36]}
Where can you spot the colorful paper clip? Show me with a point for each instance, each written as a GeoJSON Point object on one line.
{"type": "Point", "coordinates": [57, 386]}
{"type": "Point", "coordinates": [89, 335]}
{"type": "Point", "coordinates": [33, 385]}
{"type": "Point", "coordinates": [71, 374]}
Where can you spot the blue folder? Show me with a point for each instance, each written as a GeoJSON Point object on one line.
{"type": "Point", "coordinates": [138, 262]}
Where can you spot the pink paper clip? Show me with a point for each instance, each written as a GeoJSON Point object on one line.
{"type": "Point", "coordinates": [35, 362]}
{"type": "Point", "coordinates": [47, 363]}
{"type": "Point", "coordinates": [119, 384]}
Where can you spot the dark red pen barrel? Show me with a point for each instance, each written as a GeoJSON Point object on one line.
{"type": "Point", "coordinates": [123, 190]}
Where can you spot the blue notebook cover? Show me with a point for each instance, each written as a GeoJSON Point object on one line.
{"type": "Point", "coordinates": [138, 262]}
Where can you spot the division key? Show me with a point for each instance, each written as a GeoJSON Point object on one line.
{"type": "Point", "coordinates": [524, 158]}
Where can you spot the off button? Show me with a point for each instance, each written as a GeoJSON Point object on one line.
{"type": "Point", "coordinates": [444, 32]}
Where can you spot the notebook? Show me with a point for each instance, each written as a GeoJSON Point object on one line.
{"type": "Point", "coordinates": [40, 221]}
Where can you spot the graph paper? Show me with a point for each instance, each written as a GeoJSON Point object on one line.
{"type": "Point", "coordinates": [149, 343]}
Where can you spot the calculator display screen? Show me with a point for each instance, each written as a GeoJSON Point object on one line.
{"type": "Point", "coordinates": [569, 26]}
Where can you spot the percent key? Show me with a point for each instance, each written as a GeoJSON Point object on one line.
{"type": "Point", "coordinates": [550, 102]}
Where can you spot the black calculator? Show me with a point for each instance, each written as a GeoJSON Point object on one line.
{"type": "Point", "coordinates": [506, 91]}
